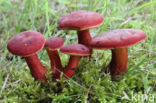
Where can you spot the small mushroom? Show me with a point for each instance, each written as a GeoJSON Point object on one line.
{"type": "Point", "coordinates": [52, 45]}
{"type": "Point", "coordinates": [27, 44]}
{"type": "Point", "coordinates": [117, 40]}
{"type": "Point", "coordinates": [81, 21]}
{"type": "Point", "coordinates": [76, 51]}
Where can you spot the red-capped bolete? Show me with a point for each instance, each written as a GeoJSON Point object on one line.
{"type": "Point", "coordinates": [52, 45]}
{"type": "Point", "coordinates": [117, 40]}
{"type": "Point", "coordinates": [81, 21]}
{"type": "Point", "coordinates": [27, 44]}
{"type": "Point", "coordinates": [76, 51]}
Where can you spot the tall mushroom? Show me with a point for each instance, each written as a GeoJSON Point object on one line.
{"type": "Point", "coordinates": [27, 44]}
{"type": "Point", "coordinates": [81, 21]}
{"type": "Point", "coordinates": [117, 40]}
{"type": "Point", "coordinates": [51, 45]}
{"type": "Point", "coordinates": [76, 51]}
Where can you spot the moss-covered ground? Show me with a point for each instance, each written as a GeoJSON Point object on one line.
{"type": "Point", "coordinates": [89, 84]}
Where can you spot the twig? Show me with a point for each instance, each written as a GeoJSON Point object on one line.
{"type": "Point", "coordinates": [154, 85]}
{"type": "Point", "coordinates": [14, 82]}
{"type": "Point", "coordinates": [88, 93]}
{"type": "Point", "coordinates": [58, 33]}
{"type": "Point", "coordinates": [130, 18]}
{"type": "Point", "coordinates": [4, 84]}
{"type": "Point", "coordinates": [70, 78]}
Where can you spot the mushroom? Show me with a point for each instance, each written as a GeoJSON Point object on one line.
{"type": "Point", "coordinates": [51, 45]}
{"type": "Point", "coordinates": [27, 44]}
{"type": "Point", "coordinates": [81, 21]}
{"type": "Point", "coordinates": [76, 51]}
{"type": "Point", "coordinates": [117, 40]}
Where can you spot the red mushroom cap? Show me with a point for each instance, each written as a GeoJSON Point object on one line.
{"type": "Point", "coordinates": [26, 43]}
{"type": "Point", "coordinates": [76, 49]}
{"type": "Point", "coordinates": [117, 38]}
{"type": "Point", "coordinates": [54, 43]}
{"type": "Point", "coordinates": [80, 20]}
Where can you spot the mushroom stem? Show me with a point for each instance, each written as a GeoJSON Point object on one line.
{"type": "Point", "coordinates": [72, 66]}
{"type": "Point", "coordinates": [84, 37]}
{"type": "Point", "coordinates": [55, 62]}
{"type": "Point", "coordinates": [118, 64]}
{"type": "Point", "coordinates": [38, 71]}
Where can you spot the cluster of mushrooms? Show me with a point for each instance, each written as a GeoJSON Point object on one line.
{"type": "Point", "coordinates": [28, 43]}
